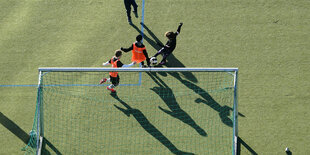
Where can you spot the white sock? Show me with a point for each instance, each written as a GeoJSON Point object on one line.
{"type": "Point", "coordinates": [111, 86]}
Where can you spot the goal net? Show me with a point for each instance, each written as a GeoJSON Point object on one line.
{"type": "Point", "coordinates": [154, 111]}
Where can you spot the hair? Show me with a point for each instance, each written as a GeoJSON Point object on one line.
{"type": "Point", "coordinates": [170, 35]}
{"type": "Point", "coordinates": [139, 38]}
{"type": "Point", "coordinates": [118, 53]}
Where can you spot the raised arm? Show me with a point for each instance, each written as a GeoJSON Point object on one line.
{"type": "Point", "coordinates": [179, 28]}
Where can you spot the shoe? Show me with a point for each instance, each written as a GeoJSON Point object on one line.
{"type": "Point", "coordinates": [136, 14]}
{"type": "Point", "coordinates": [162, 63]}
{"type": "Point", "coordinates": [111, 89]}
{"type": "Point", "coordinates": [103, 80]}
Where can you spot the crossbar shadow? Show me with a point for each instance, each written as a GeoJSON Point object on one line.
{"type": "Point", "coordinates": [148, 126]}
{"type": "Point", "coordinates": [241, 142]}
{"type": "Point", "coordinates": [157, 45]}
{"type": "Point", "coordinates": [166, 94]}
{"type": "Point", "coordinates": [22, 135]}
{"type": "Point", "coordinates": [14, 128]}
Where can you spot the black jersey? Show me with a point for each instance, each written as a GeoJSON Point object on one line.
{"type": "Point", "coordinates": [171, 43]}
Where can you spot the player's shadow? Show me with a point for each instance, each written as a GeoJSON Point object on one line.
{"type": "Point", "coordinates": [157, 44]}
{"type": "Point", "coordinates": [172, 60]}
{"type": "Point", "coordinates": [166, 94]}
{"type": "Point", "coordinates": [147, 125]}
{"type": "Point", "coordinates": [14, 128]}
{"type": "Point", "coordinates": [241, 142]}
{"type": "Point", "coordinates": [207, 99]}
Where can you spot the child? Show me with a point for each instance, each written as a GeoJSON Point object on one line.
{"type": "Point", "coordinates": [139, 53]}
{"type": "Point", "coordinates": [116, 63]}
{"type": "Point", "coordinates": [170, 45]}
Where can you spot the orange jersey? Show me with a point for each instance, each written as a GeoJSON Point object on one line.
{"type": "Point", "coordinates": [114, 65]}
{"type": "Point", "coordinates": [137, 54]}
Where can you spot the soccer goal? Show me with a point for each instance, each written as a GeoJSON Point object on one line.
{"type": "Point", "coordinates": [154, 111]}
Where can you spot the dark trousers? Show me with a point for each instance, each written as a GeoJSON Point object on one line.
{"type": "Point", "coordinates": [164, 52]}
{"type": "Point", "coordinates": [128, 4]}
{"type": "Point", "coordinates": [114, 80]}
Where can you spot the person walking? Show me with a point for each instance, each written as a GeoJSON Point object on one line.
{"type": "Point", "coordinates": [128, 4]}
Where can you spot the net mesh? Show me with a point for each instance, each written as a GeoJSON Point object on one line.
{"type": "Point", "coordinates": [164, 113]}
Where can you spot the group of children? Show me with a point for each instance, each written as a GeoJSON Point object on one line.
{"type": "Point", "coordinates": [139, 55]}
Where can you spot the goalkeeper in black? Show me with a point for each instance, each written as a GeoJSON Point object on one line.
{"type": "Point", "coordinates": [166, 50]}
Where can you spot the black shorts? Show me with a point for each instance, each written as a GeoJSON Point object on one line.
{"type": "Point", "coordinates": [114, 80]}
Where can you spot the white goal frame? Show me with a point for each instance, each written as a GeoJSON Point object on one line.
{"type": "Point", "coordinates": [233, 71]}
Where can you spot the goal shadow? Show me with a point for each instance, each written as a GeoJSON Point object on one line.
{"type": "Point", "coordinates": [14, 128]}
{"type": "Point", "coordinates": [240, 143]}
{"type": "Point", "coordinates": [47, 144]}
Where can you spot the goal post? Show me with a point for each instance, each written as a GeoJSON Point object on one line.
{"type": "Point", "coordinates": [155, 111]}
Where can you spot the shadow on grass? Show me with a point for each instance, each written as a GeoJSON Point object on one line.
{"type": "Point", "coordinates": [241, 142]}
{"type": "Point", "coordinates": [172, 60]}
{"type": "Point", "coordinates": [208, 100]}
{"type": "Point", "coordinates": [147, 126]}
{"type": "Point", "coordinates": [22, 135]}
{"type": "Point", "coordinates": [14, 128]}
{"type": "Point", "coordinates": [157, 44]}
{"type": "Point", "coordinates": [46, 144]}
{"type": "Point", "coordinates": [166, 94]}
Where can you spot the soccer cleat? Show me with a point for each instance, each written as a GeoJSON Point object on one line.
{"type": "Point", "coordinates": [111, 89]}
{"type": "Point", "coordinates": [103, 80]}
{"type": "Point", "coordinates": [162, 62]}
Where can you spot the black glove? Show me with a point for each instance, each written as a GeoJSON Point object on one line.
{"type": "Point", "coordinates": [122, 48]}
{"type": "Point", "coordinates": [181, 24]}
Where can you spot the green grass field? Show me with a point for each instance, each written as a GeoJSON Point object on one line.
{"type": "Point", "coordinates": [268, 40]}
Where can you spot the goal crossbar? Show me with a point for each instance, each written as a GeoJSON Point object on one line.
{"type": "Point", "coordinates": [88, 69]}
